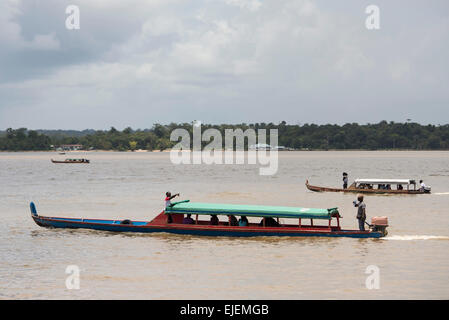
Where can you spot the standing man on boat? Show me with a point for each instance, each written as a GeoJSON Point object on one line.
{"type": "Point", "coordinates": [168, 197]}
{"type": "Point", "coordinates": [361, 212]}
{"type": "Point", "coordinates": [168, 203]}
{"type": "Point", "coordinates": [345, 180]}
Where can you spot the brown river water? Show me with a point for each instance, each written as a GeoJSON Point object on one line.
{"type": "Point", "coordinates": [413, 260]}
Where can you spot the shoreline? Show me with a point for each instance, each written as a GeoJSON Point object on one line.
{"type": "Point", "coordinates": [169, 150]}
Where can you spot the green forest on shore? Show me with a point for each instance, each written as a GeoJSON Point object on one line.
{"type": "Point", "coordinates": [381, 136]}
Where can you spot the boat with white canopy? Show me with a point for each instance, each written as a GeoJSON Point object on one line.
{"type": "Point", "coordinates": [379, 186]}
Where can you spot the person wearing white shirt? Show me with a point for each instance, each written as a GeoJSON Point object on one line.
{"type": "Point", "coordinates": [423, 186]}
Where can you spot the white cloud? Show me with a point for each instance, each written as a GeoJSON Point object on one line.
{"type": "Point", "coordinates": [11, 32]}
{"type": "Point", "coordinates": [225, 61]}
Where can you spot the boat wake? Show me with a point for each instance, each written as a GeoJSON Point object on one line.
{"type": "Point", "coordinates": [441, 193]}
{"type": "Point", "coordinates": [416, 237]}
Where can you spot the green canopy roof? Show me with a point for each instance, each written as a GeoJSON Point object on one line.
{"type": "Point", "coordinates": [249, 210]}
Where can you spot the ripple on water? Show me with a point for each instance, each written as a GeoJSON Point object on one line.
{"type": "Point", "coordinates": [415, 237]}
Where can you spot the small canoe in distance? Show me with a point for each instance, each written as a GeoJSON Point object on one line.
{"type": "Point", "coordinates": [376, 186]}
{"type": "Point", "coordinates": [71, 161]}
{"type": "Point", "coordinates": [171, 220]}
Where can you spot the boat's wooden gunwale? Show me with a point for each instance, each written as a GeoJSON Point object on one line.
{"type": "Point", "coordinates": [71, 162]}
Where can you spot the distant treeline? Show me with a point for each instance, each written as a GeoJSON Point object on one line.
{"type": "Point", "coordinates": [380, 136]}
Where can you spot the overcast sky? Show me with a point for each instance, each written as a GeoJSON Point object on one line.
{"type": "Point", "coordinates": [138, 62]}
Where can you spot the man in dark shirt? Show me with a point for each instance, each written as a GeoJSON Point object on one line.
{"type": "Point", "coordinates": [345, 180]}
{"type": "Point", "coordinates": [188, 220]}
{"type": "Point", "coordinates": [214, 220]}
{"type": "Point", "coordinates": [269, 222]}
{"type": "Point", "coordinates": [233, 221]}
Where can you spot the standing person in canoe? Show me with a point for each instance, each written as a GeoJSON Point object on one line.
{"type": "Point", "coordinates": [345, 180]}
{"type": "Point", "coordinates": [168, 204]}
{"type": "Point", "coordinates": [361, 212]}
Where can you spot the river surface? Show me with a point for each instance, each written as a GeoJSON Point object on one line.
{"type": "Point", "coordinates": [412, 261]}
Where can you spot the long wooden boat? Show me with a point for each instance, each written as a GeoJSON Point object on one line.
{"type": "Point", "coordinates": [71, 161]}
{"type": "Point", "coordinates": [376, 186]}
{"type": "Point", "coordinates": [171, 221]}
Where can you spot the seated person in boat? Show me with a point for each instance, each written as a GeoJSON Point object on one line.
{"type": "Point", "coordinates": [214, 220]}
{"type": "Point", "coordinates": [423, 186]}
{"type": "Point", "coordinates": [388, 187]}
{"type": "Point", "coordinates": [269, 222]}
{"type": "Point", "coordinates": [243, 222]}
{"type": "Point", "coordinates": [169, 218]}
{"type": "Point", "coordinates": [365, 186]}
{"type": "Point", "coordinates": [188, 219]}
{"type": "Point", "coordinates": [400, 187]}
{"type": "Point", "coordinates": [233, 221]}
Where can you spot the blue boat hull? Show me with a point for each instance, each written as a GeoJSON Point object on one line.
{"type": "Point", "coordinates": [198, 230]}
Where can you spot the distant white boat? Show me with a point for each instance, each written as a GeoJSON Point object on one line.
{"type": "Point", "coordinates": [264, 146]}
{"type": "Point", "coordinates": [260, 146]}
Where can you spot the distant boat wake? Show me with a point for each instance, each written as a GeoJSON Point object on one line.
{"type": "Point", "coordinates": [416, 237]}
{"type": "Point", "coordinates": [442, 193]}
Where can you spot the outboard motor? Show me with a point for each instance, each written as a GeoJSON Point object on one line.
{"type": "Point", "coordinates": [427, 189]}
{"type": "Point", "coordinates": [380, 224]}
